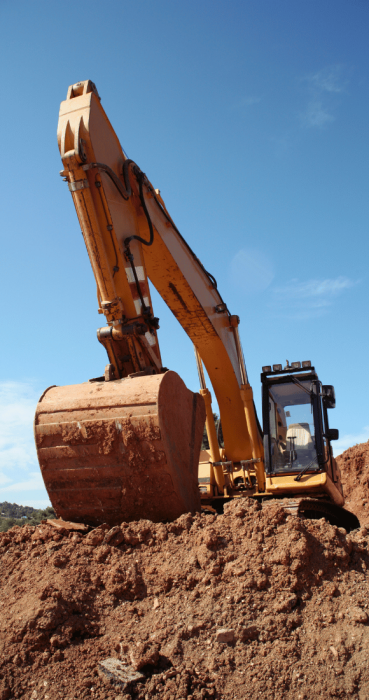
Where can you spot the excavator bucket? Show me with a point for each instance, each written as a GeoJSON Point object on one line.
{"type": "Point", "coordinates": [121, 450]}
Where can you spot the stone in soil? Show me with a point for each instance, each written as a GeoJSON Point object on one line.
{"type": "Point", "coordinates": [117, 673]}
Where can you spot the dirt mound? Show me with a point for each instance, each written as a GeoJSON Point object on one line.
{"type": "Point", "coordinates": [253, 603]}
{"type": "Point", "coordinates": [354, 466]}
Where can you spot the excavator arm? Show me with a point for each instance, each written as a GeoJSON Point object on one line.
{"type": "Point", "coordinates": [131, 238]}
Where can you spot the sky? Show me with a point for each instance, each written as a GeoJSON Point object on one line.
{"type": "Point", "coordinates": [251, 118]}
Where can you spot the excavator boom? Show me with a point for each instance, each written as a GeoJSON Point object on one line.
{"type": "Point", "coordinates": [131, 238]}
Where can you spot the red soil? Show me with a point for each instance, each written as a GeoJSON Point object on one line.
{"type": "Point", "coordinates": [294, 592]}
{"type": "Point", "coordinates": [354, 466]}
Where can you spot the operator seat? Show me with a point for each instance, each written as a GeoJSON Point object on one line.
{"type": "Point", "coordinates": [300, 440]}
{"type": "Point", "coordinates": [301, 434]}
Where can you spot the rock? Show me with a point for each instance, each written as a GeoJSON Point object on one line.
{"type": "Point", "coordinates": [39, 534]}
{"type": "Point", "coordinates": [173, 649]}
{"type": "Point", "coordinates": [97, 536]}
{"type": "Point", "coordinates": [60, 561]}
{"type": "Point", "coordinates": [194, 628]}
{"type": "Point", "coordinates": [56, 641]}
{"type": "Point", "coordinates": [334, 652]}
{"type": "Point", "coordinates": [358, 615]}
{"type": "Point", "coordinates": [169, 674]}
{"type": "Point", "coordinates": [246, 634]}
{"type": "Point", "coordinates": [102, 552]}
{"type": "Point", "coordinates": [131, 535]}
{"type": "Point", "coordinates": [118, 673]}
{"type": "Point", "coordinates": [211, 538]}
{"type": "Point", "coordinates": [114, 536]}
{"type": "Point", "coordinates": [76, 537]}
{"type": "Point", "coordinates": [60, 524]}
{"type": "Point", "coordinates": [144, 655]}
{"type": "Point", "coordinates": [225, 636]}
{"type": "Point", "coordinates": [286, 604]}
{"type": "Point", "coordinates": [184, 522]}
{"type": "Point", "coordinates": [156, 604]}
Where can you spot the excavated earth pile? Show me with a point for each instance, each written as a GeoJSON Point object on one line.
{"type": "Point", "coordinates": [255, 603]}
{"type": "Point", "coordinates": [354, 466]}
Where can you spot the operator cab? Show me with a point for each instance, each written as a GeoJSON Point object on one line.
{"type": "Point", "coordinates": [295, 420]}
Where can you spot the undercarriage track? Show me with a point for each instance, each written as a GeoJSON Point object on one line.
{"type": "Point", "coordinates": [316, 508]}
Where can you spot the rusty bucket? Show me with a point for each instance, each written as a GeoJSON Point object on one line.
{"type": "Point", "coordinates": [122, 450]}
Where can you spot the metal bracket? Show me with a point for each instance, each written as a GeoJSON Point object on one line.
{"type": "Point", "coordinates": [143, 373]}
{"type": "Point", "coordinates": [250, 461]}
{"type": "Point", "coordinates": [109, 373]}
{"type": "Point", "coordinates": [220, 308]}
{"type": "Point", "coordinates": [133, 329]}
{"type": "Point", "coordinates": [120, 332]}
{"type": "Point", "coordinates": [78, 185]}
{"type": "Point", "coordinates": [107, 306]}
{"type": "Point", "coordinates": [226, 465]}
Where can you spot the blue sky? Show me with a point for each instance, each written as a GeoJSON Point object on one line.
{"type": "Point", "coordinates": [251, 118]}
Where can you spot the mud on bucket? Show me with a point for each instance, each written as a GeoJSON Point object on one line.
{"type": "Point", "coordinates": [122, 450]}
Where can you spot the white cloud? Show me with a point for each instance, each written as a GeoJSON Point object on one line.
{"type": "Point", "coordinates": [35, 502]}
{"type": "Point", "coordinates": [312, 298]}
{"type": "Point", "coordinates": [251, 270]}
{"type": "Point", "coordinates": [33, 483]}
{"type": "Point", "coordinates": [349, 440]}
{"type": "Point", "coordinates": [316, 288]}
{"type": "Point", "coordinates": [323, 88]}
{"type": "Point", "coordinates": [251, 100]}
{"type": "Point", "coordinates": [19, 470]}
{"type": "Point", "coordinates": [4, 480]}
{"type": "Point", "coordinates": [327, 80]}
{"type": "Point", "coordinates": [247, 101]}
{"type": "Point", "coordinates": [316, 114]}
{"type": "Point", "coordinates": [17, 407]}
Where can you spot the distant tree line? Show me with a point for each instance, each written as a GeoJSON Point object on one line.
{"type": "Point", "coordinates": [11, 514]}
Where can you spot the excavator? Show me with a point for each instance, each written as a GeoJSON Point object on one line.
{"type": "Point", "coordinates": [127, 445]}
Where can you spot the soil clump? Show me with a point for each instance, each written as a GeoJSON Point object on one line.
{"type": "Point", "coordinates": [253, 603]}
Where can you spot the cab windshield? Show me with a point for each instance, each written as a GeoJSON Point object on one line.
{"type": "Point", "coordinates": [291, 424]}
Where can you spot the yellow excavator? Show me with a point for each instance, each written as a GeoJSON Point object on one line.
{"type": "Point", "coordinates": [127, 445]}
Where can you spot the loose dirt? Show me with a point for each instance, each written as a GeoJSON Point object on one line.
{"type": "Point", "coordinates": [255, 603]}
{"type": "Point", "coordinates": [354, 466]}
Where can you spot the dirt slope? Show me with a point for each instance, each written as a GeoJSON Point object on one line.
{"type": "Point", "coordinates": [294, 594]}
{"type": "Point", "coordinates": [354, 466]}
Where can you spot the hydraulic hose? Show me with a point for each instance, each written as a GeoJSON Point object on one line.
{"type": "Point", "coordinates": [125, 191]}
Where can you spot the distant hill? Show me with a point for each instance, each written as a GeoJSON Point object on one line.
{"type": "Point", "coordinates": [11, 514]}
